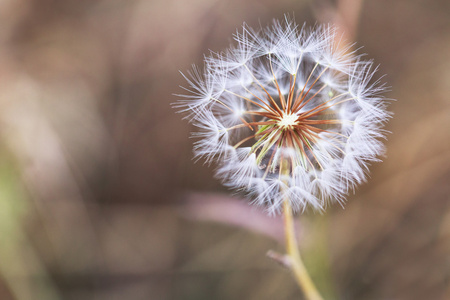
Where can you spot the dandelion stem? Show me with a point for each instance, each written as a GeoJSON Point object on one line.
{"type": "Point", "coordinates": [296, 264]}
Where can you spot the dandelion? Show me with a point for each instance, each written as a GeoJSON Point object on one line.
{"type": "Point", "coordinates": [291, 115]}
{"type": "Point", "coordinates": [288, 113]}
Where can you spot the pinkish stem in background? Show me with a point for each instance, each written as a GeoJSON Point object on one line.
{"type": "Point", "coordinates": [345, 15]}
{"type": "Point", "coordinates": [232, 211]}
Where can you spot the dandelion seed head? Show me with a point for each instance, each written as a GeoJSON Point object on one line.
{"type": "Point", "coordinates": [288, 112]}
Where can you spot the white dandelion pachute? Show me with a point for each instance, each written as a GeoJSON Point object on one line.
{"type": "Point", "coordinates": [288, 113]}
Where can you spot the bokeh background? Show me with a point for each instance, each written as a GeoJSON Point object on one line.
{"type": "Point", "coordinates": [100, 198]}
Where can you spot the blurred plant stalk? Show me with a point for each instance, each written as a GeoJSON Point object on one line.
{"type": "Point", "coordinates": [21, 267]}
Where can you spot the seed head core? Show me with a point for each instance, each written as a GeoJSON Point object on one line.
{"type": "Point", "coordinates": [288, 121]}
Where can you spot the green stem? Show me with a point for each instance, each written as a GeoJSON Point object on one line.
{"type": "Point", "coordinates": [296, 264]}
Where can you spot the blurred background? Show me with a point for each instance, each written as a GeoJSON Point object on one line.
{"type": "Point", "coordinates": [100, 198]}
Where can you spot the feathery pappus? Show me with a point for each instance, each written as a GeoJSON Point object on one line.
{"type": "Point", "coordinates": [288, 112]}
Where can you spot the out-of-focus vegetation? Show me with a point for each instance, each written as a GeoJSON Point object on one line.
{"type": "Point", "coordinates": [99, 196]}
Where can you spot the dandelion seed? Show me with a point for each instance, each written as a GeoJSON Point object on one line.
{"type": "Point", "coordinates": [288, 113]}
